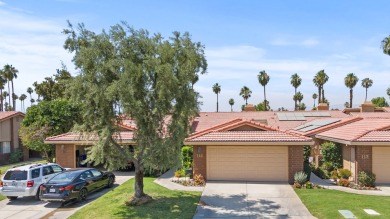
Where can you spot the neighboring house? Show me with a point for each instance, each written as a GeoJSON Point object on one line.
{"type": "Point", "coordinates": [9, 137]}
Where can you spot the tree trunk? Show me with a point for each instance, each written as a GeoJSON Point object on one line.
{"type": "Point", "coordinates": [1, 98]}
{"type": "Point", "coordinates": [265, 101]}
{"type": "Point", "coordinates": [319, 94]}
{"type": "Point", "coordinates": [13, 99]}
{"type": "Point", "coordinates": [139, 180]}
{"type": "Point", "coordinates": [231, 108]}
{"type": "Point", "coordinates": [350, 98]}
{"type": "Point", "coordinates": [9, 96]}
{"type": "Point", "coordinates": [365, 100]}
{"type": "Point", "coordinates": [323, 95]}
{"type": "Point", "coordinates": [246, 101]}
{"type": "Point", "coordinates": [314, 104]}
{"type": "Point", "coordinates": [295, 101]}
{"type": "Point", "coordinates": [217, 102]}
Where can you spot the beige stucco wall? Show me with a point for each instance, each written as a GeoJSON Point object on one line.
{"type": "Point", "coordinates": [16, 126]}
{"type": "Point", "coordinates": [5, 130]}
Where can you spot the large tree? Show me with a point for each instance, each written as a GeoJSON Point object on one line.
{"type": "Point", "coordinates": [217, 90]}
{"type": "Point", "coordinates": [350, 81]}
{"type": "Point", "coordinates": [263, 78]}
{"type": "Point", "coordinates": [366, 83]}
{"type": "Point", "coordinates": [295, 82]}
{"type": "Point", "coordinates": [53, 87]}
{"type": "Point", "coordinates": [46, 119]}
{"type": "Point", "coordinates": [152, 77]}
{"type": "Point", "coordinates": [379, 102]}
{"type": "Point", "coordinates": [386, 45]}
{"type": "Point", "coordinates": [245, 92]}
{"type": "Point", "coordinates": [2, 83]}
{"type": "Point", "coordinates": [314, 96]}
{"type": "Point", "coordinates": [10, 73]}
{"type": "Point", "coordinates": [319, 80]}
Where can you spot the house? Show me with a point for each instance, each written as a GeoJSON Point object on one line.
{"type": "Point", "coordinates": [9, 137]}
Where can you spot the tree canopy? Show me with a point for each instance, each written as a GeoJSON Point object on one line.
{"type": "Point", "coordinates": [53, 87]}
{"type": "Point", "coordinates": [379, 102]}
{"type": "Point", "coordinates": [152, 79]}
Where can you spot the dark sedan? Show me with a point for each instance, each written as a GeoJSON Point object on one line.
{"type": "Point", "coordinates": [75, 184]}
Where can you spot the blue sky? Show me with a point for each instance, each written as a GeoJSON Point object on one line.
{"type": "Point", "coordinates": [241, 39]}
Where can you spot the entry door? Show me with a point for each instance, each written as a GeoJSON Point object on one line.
{"type": "Point", "coordinates": [381, 164]}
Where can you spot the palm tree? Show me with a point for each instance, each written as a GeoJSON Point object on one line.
{"type": "Point", "coordinates": [22, 98]}
{"type": "Point", "coordinates": [217, 90]}
{"type": "Point", "coordinates": [366, 83]}
{"type": "Point", "coordinates": [347, 105]}
{"type": "Point", "coordinates": [386, 45]}
{"type": "Point", "coordinates": [32, 101]}
{"type": "Point", "coordinates": [314, 96]}
{"type": "Point", "coordinates": [295, 82]}
{"type": "Point", "coordinates": [30, 91]}
{"type": "Point", "coordinates": [2, 83]}
{"type": "Point", "coordinates": [231, 102]}
{"type": "Point", "coordinates": [299, 97]}
{"type": "Point", "coordinates": [263, 78]}
{"type": "Point", "coordinates": [388, 92]}
{"type": "Point", "coordinates": [14, 98]}
{"type": "Point", "coordinates": [319, 80]}
{"type": "Point", "coordinates": [245, 93]}
{"type": "Point", "coordinates": [11, 73]}
{"type": "Point", "coordinates": [4, 97]}
{"type": "Point", "coordinates": [350, 81]}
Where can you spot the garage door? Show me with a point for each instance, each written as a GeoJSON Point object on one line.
{"type": "Point", "coordinates": [381, 164]}
{"type": "Point", "coordinates": [247, 163]}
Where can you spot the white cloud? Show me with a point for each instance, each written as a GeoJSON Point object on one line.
{"type": "Point", "coordinates": [290, 42]}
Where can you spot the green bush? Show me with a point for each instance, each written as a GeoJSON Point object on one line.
{"type": "Point", "coordinates": [187, 156]}
{"type": "Point", "coordinates": [306, 153]}
{"type": "Point", "coordinates": [307, 169]}
{"type": "Point", "coordinates": [300, 177]}
{"type": "Point", "coordinates": [16, 156]}
{"type": "Point", "coordinates": [323, 174]}
{"type": "Point", "coordinates": [331, 155]}
{"type": "Point", "coordinates": [180, 173]}
{"type": "Point", "coordinates": [334, 175]}
{"type": "Point", "coordinates": [344, 173]}
{"type": "Point", "coordinates": [343, 182]}
{"type": "Point", "coordinates": [366, 179]}
{"type": "Point", "coordinates": [308, 185]}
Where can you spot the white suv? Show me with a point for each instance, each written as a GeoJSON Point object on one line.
{"type": "Point", "coordinates": [26, 180]}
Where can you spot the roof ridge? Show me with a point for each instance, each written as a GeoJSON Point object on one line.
{"type": "Point", "coordinates": [244, 121]}
{"type": "Point", "coordinates": [208, 130]}
{"type": "Point", "coordinates": [334, 125]}
{"type": "Point", "coordinates": [60, 135]}
{"type": "Point", "coordinates": [361, 135]}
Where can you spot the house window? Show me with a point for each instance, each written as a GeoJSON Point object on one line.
{"type": "Point", "coordinates": [5, 147]}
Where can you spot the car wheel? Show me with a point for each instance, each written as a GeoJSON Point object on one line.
{"type": "Point", "coordinates": [37, 195]}
{"type": "Point", "coordinates": [110, 182]}
{"type": "Point", "coordinates": [12, 197]}
{"type": "Point", "coordinates": [82, 195]}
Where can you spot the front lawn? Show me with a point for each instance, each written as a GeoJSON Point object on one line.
{"type": "Point", "coordinates": [166, 204]}
{"type": "Point", "coordinates": [325, 203]}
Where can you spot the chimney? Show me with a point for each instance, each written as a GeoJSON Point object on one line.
{"type": "Point", "coordinates": [249, 107]}
{"type": "Point", "coordinates": [323, 107]}
{"type": "Point", "coordinates": [367, 107]}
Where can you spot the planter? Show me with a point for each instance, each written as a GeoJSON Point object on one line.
{"type": "Point", "coordinates": [189, 172]}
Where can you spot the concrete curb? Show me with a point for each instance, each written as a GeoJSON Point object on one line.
{"type": "Point", "coordinates": [165, 180]}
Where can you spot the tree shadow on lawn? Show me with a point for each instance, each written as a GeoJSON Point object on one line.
{"type": "Point", "coordinates": [181, 206]}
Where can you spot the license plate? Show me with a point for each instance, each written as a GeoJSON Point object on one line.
{"type": "Point", "coordinates": [52, 190]}
{"type": "Point", "coordinates": [14, 184]}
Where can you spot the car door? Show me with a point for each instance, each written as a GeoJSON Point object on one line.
{"type": "Point", "coordinates": [88, 177]}
{"type": "Point", "coordinates": [98, 178]}
{"type": "Point", "coordinates": [47, 173]}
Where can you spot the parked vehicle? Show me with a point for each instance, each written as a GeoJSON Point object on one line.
{"type": "Point", "coordinates": [75, 184]}
{"type": "Point", "coordinates": [25, 180]}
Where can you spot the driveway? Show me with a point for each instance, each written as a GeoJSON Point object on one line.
{"type": "Point", "coordinates": [29, 208]}
{"type": "Point", "coordinates": [250, 200]}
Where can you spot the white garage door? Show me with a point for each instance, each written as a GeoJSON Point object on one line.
{"type": "Point", "coordinates": [381, 164]}
{"type": "Point", "coordinates": [247, 163]}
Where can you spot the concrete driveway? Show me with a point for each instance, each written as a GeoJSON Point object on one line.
{"type": "Point", "coordinates": [250, 200]}
{"type": "Point", "coordinates": [28, 207]}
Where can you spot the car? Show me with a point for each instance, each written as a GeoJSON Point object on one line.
{"type": "Point", "coordinates": [25, 180]}
{"type": "Point", "coordinates": [75, 184]}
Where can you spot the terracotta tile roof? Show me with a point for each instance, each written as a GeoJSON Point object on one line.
{"type": "Point", "coordinates": [75, 137]}
{"type": "Point", "coordinates": [372, 114]}
{"type": "Point", "coordinates": [9, 114]}
{"type": "Point", "coordinates": [356, 130]}
{"type": "Point", "coordinates": [249, 136]}
{"type": "Point", "coordinates": [375, 136]}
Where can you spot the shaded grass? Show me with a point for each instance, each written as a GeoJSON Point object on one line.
{"type": "Point", "coordinates": [4, 168]}
{"type": "Point", "coordinates": [324, 203]}
{"type": "Point", "coordinates": [166, 204]}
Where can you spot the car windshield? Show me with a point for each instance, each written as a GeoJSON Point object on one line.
{"type": "Point", "coordinates": [15, 175]}
{"type": "Point", "coordinates": [64, 177]}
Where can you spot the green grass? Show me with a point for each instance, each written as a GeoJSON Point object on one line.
{"type": "Point", "coordinates": [4, 168]}
{"type": "Point", "coordinates": [166, 204]}
{"type": "Point", "coordinates": [324, 203]}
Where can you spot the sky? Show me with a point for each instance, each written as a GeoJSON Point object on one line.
{"type": "Point", "coordinates": [241, 38]}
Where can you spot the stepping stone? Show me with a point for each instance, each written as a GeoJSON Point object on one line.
{"type": "Point", "coordinates": [347, 214]}
{"type": "Point", "coordinates": [371, 212]}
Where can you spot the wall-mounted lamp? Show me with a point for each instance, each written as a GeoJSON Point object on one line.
{"type": "Point", "coordinates": [199, 149]}
{"type": "Point", "coordinates": [62, 148]}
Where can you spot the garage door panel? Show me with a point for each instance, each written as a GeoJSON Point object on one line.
{"type": "Point", "coordinates": [249, 163]}
{"type": "Point", "coordinates": [381, 164]}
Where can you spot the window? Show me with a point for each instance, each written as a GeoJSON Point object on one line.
{"type": "Point", "coordinates": [86, 175]}
{"type": "Point", "coordinates": [5, 147]}
{"type": "Point", "coordinates": [15, 175]}
{"type": "Point", "coordinates": [35, 173]}
{"type": "Point", "coordinates": [47, 170]}
{"type": "Point", "coordinates": [56, 169]}
{"type": "Point", "coordinates": [96, 173]}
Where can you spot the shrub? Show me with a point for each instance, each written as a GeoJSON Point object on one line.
{"type": "Point", "coordinates": [300, 177]}
{"type": "Point", "coordinates": [307, 169]}
{"type": "Point", "coordinates": [366, 179]}
{"type": "Point", "coordinates": [16, 156]}
{"type": "Point", "coordinates": [323, 174]}
{"type": "Point", "coordinates": [306, 153]}
{"type": "Point", "coordinates": [180, 173]}
{"type": "Point", "coordinates": [344, 173]}
{"type": "Point", "coordinates": [343, 182]}
{"type": "Point", "coordinates": [334, 175]}
{"type": "Point", "coordinates": [297, 185]}
{"type": "Point", "coordinates": [187, 156]}
{"type": "Point", "coordinates": [332, 155]}
{"type": "Point", "coordinates": [199, 180]}
{"type": "Point", "coordinates": [308, 185]}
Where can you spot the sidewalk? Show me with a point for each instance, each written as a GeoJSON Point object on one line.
{"type": "Point", "coordinates": [165, 180]}
{"type": "Point", "coordinates": [328, 184]}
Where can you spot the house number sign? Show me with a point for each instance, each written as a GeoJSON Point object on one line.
{"type": "Point", "coordinates": [365, 156]}
{"type": "Point", "coordinates": [199, 155]}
